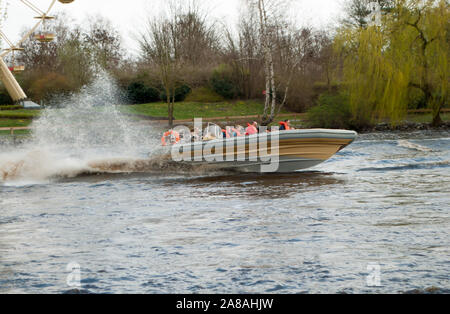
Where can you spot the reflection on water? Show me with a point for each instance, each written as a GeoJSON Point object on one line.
{"type": "Point", "coordinates": [269, 186]}
{"type": "Point", "coordinates": [380, 201]}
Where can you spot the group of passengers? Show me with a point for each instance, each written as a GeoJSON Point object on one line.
{"type": "Point", "coordinates": [171, 137]}
{"type": "Point", "coordinates": [252, 129]}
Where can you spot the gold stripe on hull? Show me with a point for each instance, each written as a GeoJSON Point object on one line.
{"type": "Point", "coordinates": [312, 148]}
{"type": "Point", "coordinates": [308, 148]}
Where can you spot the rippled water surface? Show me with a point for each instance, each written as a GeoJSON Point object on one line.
{"type": "Point", "coordinates": [382, 201]}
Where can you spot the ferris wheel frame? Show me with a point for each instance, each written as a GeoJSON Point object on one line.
{"type": "Point", "coordinates": [44, 16]}
{"type": "Point", "coordinates": [12, 86]}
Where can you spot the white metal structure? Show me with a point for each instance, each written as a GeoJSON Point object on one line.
{"type": "Point", "coordinates": [6, 76]}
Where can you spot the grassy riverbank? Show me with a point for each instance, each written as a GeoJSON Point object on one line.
{"type": "Point", "coordinates": [426, 118]}
{"type": "Point", "coordinates": [21, 114]}
{"type": "Point", "coordinates": [191, 110]}
{"type": "Point", "coordinates": [187, 110]}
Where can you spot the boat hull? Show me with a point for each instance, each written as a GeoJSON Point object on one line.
{"type": "Point", "coordinates": [280, 152]}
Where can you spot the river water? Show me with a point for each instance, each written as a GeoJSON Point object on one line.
{"type": "Point", "coordinates": [82, 200]}
{"type": "Point", "coordinates": [375, 214]}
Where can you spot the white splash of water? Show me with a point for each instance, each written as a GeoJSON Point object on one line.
{"type": "Point", "coordinates": [25, 167]}
{"type": "Point", "coordinates": [409, 145]}
{"type": "Point", "coordinates": [88, 127]}
{"type": "Point", "coordinates": [90, 119]}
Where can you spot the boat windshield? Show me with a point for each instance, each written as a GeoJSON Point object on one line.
{"type": "Point", "coordinates": [212, 132]}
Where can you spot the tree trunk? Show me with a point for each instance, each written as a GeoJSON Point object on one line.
{"type": "Point", "coordinates": [425, 85]}
{"type": "Point", "coordinates": [437, 120]}
{"type": "Point", "coordinates": [268, 93]}
{"type": "Point", "coordinates": [171, 115]}
{"type": "Point", "coordinates": [270, 101]}
{"type": "Point", "coordinates": [273, 93]}
{"type": "Point", "coordinates": [265, 46]}
{"type": "Point", "coordinates": [170, 108]}
{"type": "Point", "coordinates": [328, 74]}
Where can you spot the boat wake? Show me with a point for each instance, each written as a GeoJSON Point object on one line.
{"type": "Point", "coordinates": [412, 166]}
{"type": "Point", "coordinates": [87, 135]}
{"type": "Point", "coordinates": [413, 146]}
{"type": "Point", "coordinates": [37, 167]}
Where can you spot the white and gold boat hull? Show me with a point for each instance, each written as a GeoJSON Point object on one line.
{"type": "Point", "coordinates": [280, 152]}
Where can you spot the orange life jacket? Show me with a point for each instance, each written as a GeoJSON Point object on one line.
{"type": "Point", "coordinates": [226, 134]}
{"type": "Point", "coordinates": [286, 126]}
{"type": "Point", "coordinates": [169, 137]}
{"type": "Point", "coordinates": [238, 134]}
{"type": "Point", "coordinates": [251, 129]}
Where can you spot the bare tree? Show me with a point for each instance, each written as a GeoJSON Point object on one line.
{"type": "Point", "coordinates": [273, 26]}
{"type": "Point", "coordinates": [75, 58]}
{"type": "Point", "coordinates": [357, 11]}
{"type": "Point", "coordinates": [270, 51]}
{"type": "Point", "coordinates": [44, 57]}
{"type": "Point", "coordinates": [76, 53]}
{"type": "Point", "coordinates": [3, 11]}
{"type": "Point", "coordinates": [104, 42]}
{"type": "Point", "coordinates": [326, 57]}
{"type": "Point", "coordinates": [242, 53]}
{"type": "Point", "coordinates": [178, 47]}
{"type": "Point", "coordinates": [160, 46]}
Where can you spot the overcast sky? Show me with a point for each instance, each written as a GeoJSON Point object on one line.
{"type": "Point", "coordinates": [129, 16]}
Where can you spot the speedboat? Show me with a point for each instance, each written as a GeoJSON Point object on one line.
{"type": "Point", "coordinates": [278, 151]}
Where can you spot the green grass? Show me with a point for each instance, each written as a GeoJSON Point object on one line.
{"type": "Point", "coordinates": [296, 120]}
{"type": "Point", "coordinates": [17, 132]}
{"type": "Point", "coordinates": [6, 123]}
{"type": "Point", "coordinates": [184, 110]}
{"type": "Point", "coordinates": [191, 110]}
{"type": "Point", "coordinates": [204, 95]}
{"type": "Point", "coordinates": [19, 114]}
{"type": "Point", "coordinates": [426, 118]}
{"type": "Point", "coordinates": [15, 123]}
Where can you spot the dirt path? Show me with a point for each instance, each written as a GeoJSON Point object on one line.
{"type": "Point", "coordinates": [235, 118]}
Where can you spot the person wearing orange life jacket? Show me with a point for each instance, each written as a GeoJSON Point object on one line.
{"type": "Point", "coordinates": [252, 128]}
{"type": "Point", "coordinates": [225, 133]}
{"type": "Point", "coordinates": [171, 137]}
{"type": "Point", "coordinates": [240, 130]}
{"type": "Point", "coordinates": [231, 131]}
{"type": "Point", "coordinates": [195, 135]}
{"type": "Point", "coordinates": [285, 125]}
{"type": "Point", "coordinates": [236, 131]}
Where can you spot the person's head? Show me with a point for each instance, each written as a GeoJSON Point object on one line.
{"type": "Point", "coordinates": [287, 121]}
{"type": "Point", "coordinates": [255, 124]}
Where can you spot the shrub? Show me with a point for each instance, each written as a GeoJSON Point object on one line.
{"type": "Point", "coordinates": [333, 112]}
{"type": "Point", "coordinates": [5, 99]}
{"type": "Point", "coordinates": [223, 84]}
{"type": "Point", "coordinates": [10, 107]}
{"type": "Point", "coordinates": [180, 93]}
{"type": "Point", "coordinates": [138, 93]}
{"type": "Point", "coordinates": [416, 99]}
{"type": "Point", "coordinates": [49, 85]}
{"type": "Point", "coordinates": [204, 95]}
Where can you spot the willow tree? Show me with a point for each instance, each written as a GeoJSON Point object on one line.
{"type": "Point", "coordinates": [385, 64]}
{"type": "Point", "coordinates": [429, 27]}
